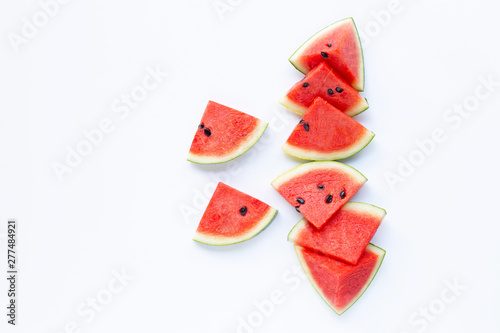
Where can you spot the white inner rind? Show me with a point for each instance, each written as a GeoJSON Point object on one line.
{"type": "Point", "coordinates": [310, 154]}
{"type": "Point", "coordinates": [212, 239]}
{"type": "Point", "coordinates": [372, 248]}
{"type": "Point", "coordinates": [361, 207]}
{"type": "Point", "coordinates": [295, 58]}
{"type": "Point", "coordinates": [296, 230]}
{"type": "Point", "coordinates": [301, 109]}
{"type": "Point", "coordinates": [360, 83]}
{"type": "Point", "coordinates": [372, 210]}
{"type": "Point", "coordinates": [305, 168]}
{"type": "Point", "coordinates": [292, 106]}
{"type": "Point", "coordinates": [357, 108]}
{"type": "Point", "coordinates": [252, 138]}
{"type": "Point", "coordinates": [380, 253]}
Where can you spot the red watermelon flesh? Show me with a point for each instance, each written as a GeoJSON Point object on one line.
{"type": "Point", "coordinates": [340, 284]}
{"type": "Point", "coordinates": [322, 81]}
{"type": "Point", "coordinates": [346, 234]}
{"type": "Point", "coordinates": [339, 46]}
{"type": "Point", "coordinates": [223, 134]}
{"type": "Point", "coordinates": [319, 189]}
{"type": "Point", "coordinates": [232, 217]}
{"type": "Point", "coordinates": [326, 133]}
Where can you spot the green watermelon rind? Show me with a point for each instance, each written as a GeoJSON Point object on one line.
{"type": "Point", "coordinates": [375, 211]}
{"type": "Point", "coordinates": [300, 109]}
{"type": "Point", "coordinates": [294, 57]}
{"type": "Point", "coordinates": [362, 85]}
{"type": "Point", "coordinates": [372, 210]}
{"type": "Point", "coordinates": [301, 169]}
{"type": "Point", "coordinates": [310, 154]}
{"type": "Point", "coordinates": [252, 139]}
{"type": "Point", "coordinates": [381, 252]}
{"type": "Point", "coordinates": [225, 240]}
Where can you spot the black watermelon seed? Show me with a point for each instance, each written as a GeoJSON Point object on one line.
{"type": "Point", "coordinates": [342, 194]}
{"type": "Point", "coordinates": [339, 90]}
{"type": "Point", "coordinates": [321, 187]}
{"type": "Point", "coordinates": [300, 201]}
{"type": "Point", "coordinates": [201, 126]}
{"type": "Point", "coordinates": [305, 84]}
{"type": "Point", "coordinates": [329, 198]}
{"type": "Point", "coordinates": [207, 132]}
{"type": "Point", "coordinates": [297, 208]}
{"type": "Point", "coordinates": [243, 211]}
{"type": "Point", "coordinates": [301, 121]}
{"type": "Point", "coordinates": [306, 127]}
{"type": "Point", "coordinates": [330, 92]}
{"type": "Point", "coordinates": [324, 54]}
{"type": "Point", "coordinates": [329, 45]}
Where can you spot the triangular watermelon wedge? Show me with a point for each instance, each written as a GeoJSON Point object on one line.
{"type": "Point", "coordinates": [232, 217]}
{"type": "Point", "coordinates": [340, 284]}
{"type": "Point", "coordinates": [326, 133]}
{"type": "Point", "coordinates": [337, 45]}
{"type": "Point", "coordinates": [345, 235]}
{"type": "Point", "coordinates": [324, 82]}
{"type": "Point", "coordinates": [224, 134]}
{"type": "Point", "coordinates": [318, 190]}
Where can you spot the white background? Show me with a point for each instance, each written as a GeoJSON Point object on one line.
{"type": "Point", "coordinates": [134, 202]}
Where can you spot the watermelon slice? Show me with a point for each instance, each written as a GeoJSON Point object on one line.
{"type": "Point", "coordinates": [326, 133]}
{"type": "Point", "coordinates": [232, 217]}
{"type": "Point", "coordinates": [318, 189]}
{"type": "Point", "coordinates": [337, 45]}
{"type": "Point", "coordinates": [345, 235]}
{"type": "Point", "coordinates": [340, 284]}
{"type": "Point", "coordinates": [324, 82]}
{"type": "Point", "coordinates": [224, 134]}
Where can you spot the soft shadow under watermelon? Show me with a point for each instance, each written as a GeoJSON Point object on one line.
{"type": "Point", "coordinates": [236, 246]}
